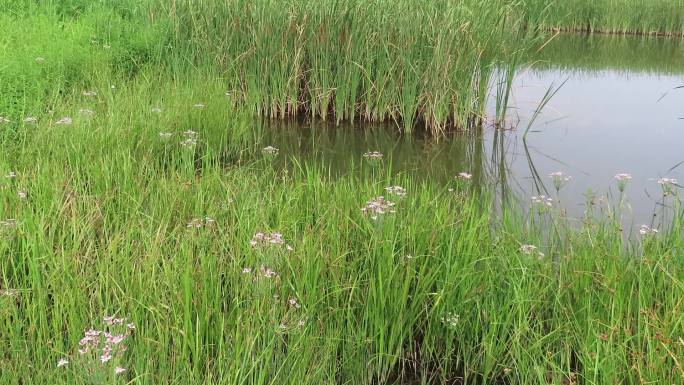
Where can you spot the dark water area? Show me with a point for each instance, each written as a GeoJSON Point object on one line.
{"type": "Point", "coordinates": [618, 111]}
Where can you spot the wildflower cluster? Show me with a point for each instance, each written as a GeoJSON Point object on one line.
{"type": "Point", "coordinates": [292, 306]}
{"type": "Point", "coordinates": [542, 200]}
{"type": "Point", "coordinates": [264, 272]}
{"type": "Point", "coordinates": [647, 230]}
{"type": "Point", "coordinates": [198, 223]}
{"type": "Point", "coordinates": [450, 319]}
{"type": "Point", "coordinates": [464, 176]}
{"type": "Point", "coordinates": [265, 240]}
{"type": "Point", "coordinates": [7, 226]}
{"type": "Point", "coordinates": [373, 157]}
{"type": "Point", "coordinates": [668, 185]}
{"type": "Point", "coordinates": [190, 139]}
{"type": "Point", "coordinates": [396, 190]}
{"type": "Point", "coordinates": [622, 180]}
{"type": "Point", "coordinates": [65, 121]}
{"type": "Point", "coordinates": [86, 112]}
{"type": "Point", "coordinates": [559, 179]}
{"type": "Point", "coordinates": [293, 302]}
{"type": "Point", "coordinates": [8, 292]}
{"type": "Point", "coordinates": [270, 151]}
{"type": "Point", "coordinates": [531, 250]}
{"type": "Point", "coordinates": [377, 155]}
{"type": "Point", "coordinates": [461, 176]}
{"type": "Point", "coordinates": [378, 206]}
{"type": "Point", "coordinates": [99, 350]}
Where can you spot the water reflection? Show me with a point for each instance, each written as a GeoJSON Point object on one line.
{"type": "Point", "coordinates": [341, 148]}
{"type": "Point", "coordinates": [620, 111]}
{"type": "Point", "coordinates": [598, 125]}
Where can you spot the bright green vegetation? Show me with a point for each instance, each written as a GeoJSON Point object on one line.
{"type": "Point", "coordinates": [662, 17]}
{"type": "Point", "coordinates": [609, 52]}
{"type": "Point", "coordinates": [424, 64]}
{"type": "Point", "coordinates": [106, 216]}
{"type": "Point", "coordinates": [436, 291]}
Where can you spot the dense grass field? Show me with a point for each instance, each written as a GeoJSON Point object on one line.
{"type": "Point", "coordinates": [135, 183]}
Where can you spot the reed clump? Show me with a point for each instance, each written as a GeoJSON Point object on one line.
{"type": "Point", "coordinates": [422, 64]}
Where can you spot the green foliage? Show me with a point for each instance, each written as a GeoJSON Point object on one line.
{"type": "Point", "coordinates": [437, 291]}
{"type": "Point", "coordinates": [416, 63]}
{"type": "Point", "coordinates": [45, 57]}
{"type": "Point", "coordinates": [663, 17]}
{"type": "Point", "coordinates": [115, 218]}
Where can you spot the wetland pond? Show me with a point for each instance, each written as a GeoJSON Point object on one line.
{"type": "Point", "coordinates": [618, 111]}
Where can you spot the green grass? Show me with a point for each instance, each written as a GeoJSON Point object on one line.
{"type": "Point", "coordinates": [650, 17]}
{"type": "Point", "coordinates": [436, 293]}
{"type": "Point", "coordinates": [104, 230]}
{"type": "Point", "coordinates": [425, 64]}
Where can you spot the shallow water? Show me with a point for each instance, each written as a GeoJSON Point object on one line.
{"type": "Point", "coordinates": [618, 112]}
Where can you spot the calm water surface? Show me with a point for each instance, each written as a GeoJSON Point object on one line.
{"type": "Point", "coordinates": [619, 111]}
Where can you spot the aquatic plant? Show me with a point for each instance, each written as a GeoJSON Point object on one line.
{"type": "Point", "coordinates": [379, 63]}
{"type": "Point", "coordinates": [440, 292]}
{"type": "Point", "coordinates": [559, 179]}
{"type": "Point", "coordinates": [622, 180]}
